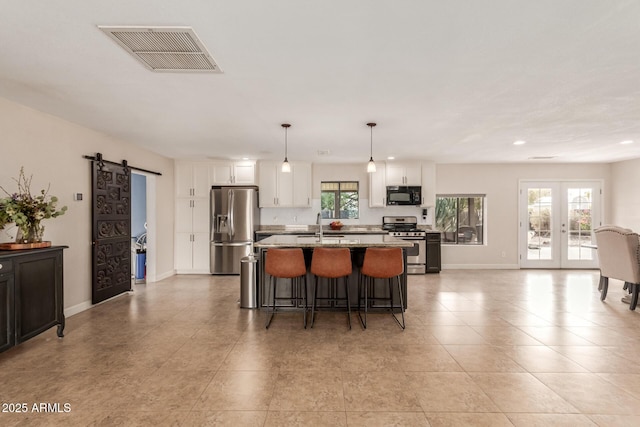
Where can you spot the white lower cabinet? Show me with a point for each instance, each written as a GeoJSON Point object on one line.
{"type": "Point", "coordinates": [192, 236]}
{"type": "Point", "coordinates": [192, 253]}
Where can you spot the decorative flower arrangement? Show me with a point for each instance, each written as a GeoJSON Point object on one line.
{"type": "Point", "coordinates": [26, 210]}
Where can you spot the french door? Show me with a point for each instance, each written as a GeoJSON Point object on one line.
{"type": "Point", "coordinates": [557, 220]}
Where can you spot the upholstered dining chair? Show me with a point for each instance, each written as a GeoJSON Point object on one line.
{"type": "Point", "coordinates": [619, 258]}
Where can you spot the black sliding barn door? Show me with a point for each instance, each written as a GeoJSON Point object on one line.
{"type": "Point", "coordinates": [111, 222]}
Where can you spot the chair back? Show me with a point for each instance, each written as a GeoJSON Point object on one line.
{"type": "Point", "coordinates": [285, 263]}
{"type": "Point", "coordinates": [331, 262]}
{"type": "Point", "coordinates": [618, 253]}
{"type": "Point", "coordinates": [383, 263]}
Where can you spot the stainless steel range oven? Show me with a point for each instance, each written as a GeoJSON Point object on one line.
{"type": "Point", "coordinates": [406, 228]}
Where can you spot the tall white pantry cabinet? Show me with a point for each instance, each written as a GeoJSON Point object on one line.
{"type": "Point", "coordinates": [193, 181]}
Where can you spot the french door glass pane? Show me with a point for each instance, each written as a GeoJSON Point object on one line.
{"type": "Point", "coordinates": [539, 242]}
{"type": "Point", "coordinates": [580, 202]}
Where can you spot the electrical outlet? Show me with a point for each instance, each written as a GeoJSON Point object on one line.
{"type": "Point", "coordinates": [295, 219]}
{"type": "Point", "coordinates": [504, 254]}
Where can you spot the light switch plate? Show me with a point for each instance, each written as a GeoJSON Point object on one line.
{"type": "Point", "coordinates": [77, 196]}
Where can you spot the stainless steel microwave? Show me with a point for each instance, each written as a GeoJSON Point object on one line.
{"type": "Point", "coordinates": [404, 195]}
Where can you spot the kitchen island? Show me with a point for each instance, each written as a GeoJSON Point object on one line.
{"type": "Point", "coordinates": [357, 243]}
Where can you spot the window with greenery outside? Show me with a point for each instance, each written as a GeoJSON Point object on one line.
{"type": "Point", "coordinates": [339, 199]}
{"type": "Point", "coordinates": [460, 218]}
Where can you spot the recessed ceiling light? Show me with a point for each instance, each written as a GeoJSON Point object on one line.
{"type": "Point", "coordinates": [245, 158]}
{"type": "Point", "coordinates": [520, 142]}
{"type": "Point", "coordinates": [390, 158]}
{"type": "Point", "coordinates": [628, 141]}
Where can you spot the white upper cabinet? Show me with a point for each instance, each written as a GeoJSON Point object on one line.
{"type": "Point", "coordinates": [301, 184]}
{"type": "Point", "coordinates": [377, 188]}
{"type": "Point", "coordinates": [268, 184]}
{"type": "Point", "coordinates": [192, 179]}
{"type": "Point", "coordinates": [279, 189]}
{"type": "Point", "coordinates": [413, 174]}
{"type": "Point", "coordinates": [223, 173]}
{"type": "Point", "coordinates": [428, 184]}
{"type": "Point", "coordinates": [395, 174]}
{"type": "Point", "coordinates": [403, 174]}
{"type": "Point", "coordinates": [244, 173]}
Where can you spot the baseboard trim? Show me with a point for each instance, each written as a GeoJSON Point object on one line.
{"type": "Point", "coordinates": [480, 267]}
{"type": "Point", "coordinates": [193, 272]}
{"type": "Point", "coordinates": [165, 275]}
{"type": "Point", "coordinates": [78, 308]}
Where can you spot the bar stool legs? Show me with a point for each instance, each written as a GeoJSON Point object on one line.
{"type": "Point", "coordinates": [402, 325]}
{"type": "Point", "coordinates": [287, 264]}
{"type": "Point", "coordinates": [333, 284]}
{"type": "Point", "coordinates": [295, 284]}
{"type": "Point", "coordinates": [381, 263]}
{"type": "Point", "coordinates": [332, 264]}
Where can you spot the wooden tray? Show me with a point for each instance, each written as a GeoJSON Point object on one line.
{"type": "Point", "coordinates": [22, 246]}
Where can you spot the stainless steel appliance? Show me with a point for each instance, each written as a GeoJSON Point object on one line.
{"type": "Point", "coordinates": [234, 219]}
{"type": "Point", "coordinates": [404, 195]}
{"type": "Point", "coordinates": [406, 228]}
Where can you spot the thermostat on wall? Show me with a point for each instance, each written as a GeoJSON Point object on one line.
{"type": "Point", "coordinates": [77, 196]}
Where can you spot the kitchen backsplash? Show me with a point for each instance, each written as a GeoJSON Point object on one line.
{"type": "Point", "coordinates": [368, 216]}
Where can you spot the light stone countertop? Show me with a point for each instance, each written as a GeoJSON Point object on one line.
{"type": "Point", "coordinates": [335, 241]}
{"type": "Point", "coordinates": [311, 229]}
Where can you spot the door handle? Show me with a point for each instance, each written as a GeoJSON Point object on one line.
{"type": "Point", "coordinates": [232, 197]}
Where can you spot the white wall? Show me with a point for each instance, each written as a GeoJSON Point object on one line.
{"type": "Point", "coordinates": [51, 149]}
{"type": "Point", "coordinates": [625, 194]}
{"type": "Point", "coordinates": [500, 183]}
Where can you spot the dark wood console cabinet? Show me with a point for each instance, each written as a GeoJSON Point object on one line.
{"type": "Point", "coordinates": [31, 294]}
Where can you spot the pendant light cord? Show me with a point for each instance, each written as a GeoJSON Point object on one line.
{"type": "Point", "coordinates": [371, 125]}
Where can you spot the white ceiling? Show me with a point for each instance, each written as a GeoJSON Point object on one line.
{"type": "Point", "coordinates": [454, 81]}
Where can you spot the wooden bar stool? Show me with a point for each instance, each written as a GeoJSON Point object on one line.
{"type": "Point", "coordinates": [332, 264]}
{"type": "Point", "coordinates": [381, 263]}
{"type": "Point", "coordinates": [287, 264]}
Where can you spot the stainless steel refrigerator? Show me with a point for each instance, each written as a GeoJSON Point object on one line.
{"type": "Point", "coordinates": [234, 219]}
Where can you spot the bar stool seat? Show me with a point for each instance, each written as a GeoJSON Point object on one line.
{"type": "Point", "coordinates": [287, 264]}
{"type": "Point", "coordinates": [332, 264]}
{"type": "Point", "coordinates": [381, 263]}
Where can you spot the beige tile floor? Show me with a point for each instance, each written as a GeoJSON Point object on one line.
{"type": "Point", "coordinates": [485, 348]}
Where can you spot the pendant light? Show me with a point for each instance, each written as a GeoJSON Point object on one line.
{"type": "Point", "coordinates": [371, 166]}
{"type": "Point", "coordinates": [286, 167]}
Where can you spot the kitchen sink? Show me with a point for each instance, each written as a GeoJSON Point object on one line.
{"type": "Point", "coordinates": [332, 239]}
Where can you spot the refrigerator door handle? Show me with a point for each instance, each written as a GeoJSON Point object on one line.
{"type": "Point", "coordinates": [231, 201]}
{"type": "Point", "coordinates": [231, 244]}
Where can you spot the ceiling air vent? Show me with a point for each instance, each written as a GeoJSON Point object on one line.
{"type": "Point", "coordinates": [542, 157]}
{"type": "Point", "coordinates": [165, 49]}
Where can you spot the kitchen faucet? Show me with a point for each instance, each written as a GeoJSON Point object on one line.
{"type": "Point", "coordinates": [319, 222]}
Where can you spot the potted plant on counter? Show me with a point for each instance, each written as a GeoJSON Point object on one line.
{"type": "Point", "coordinates": [27, 211]}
